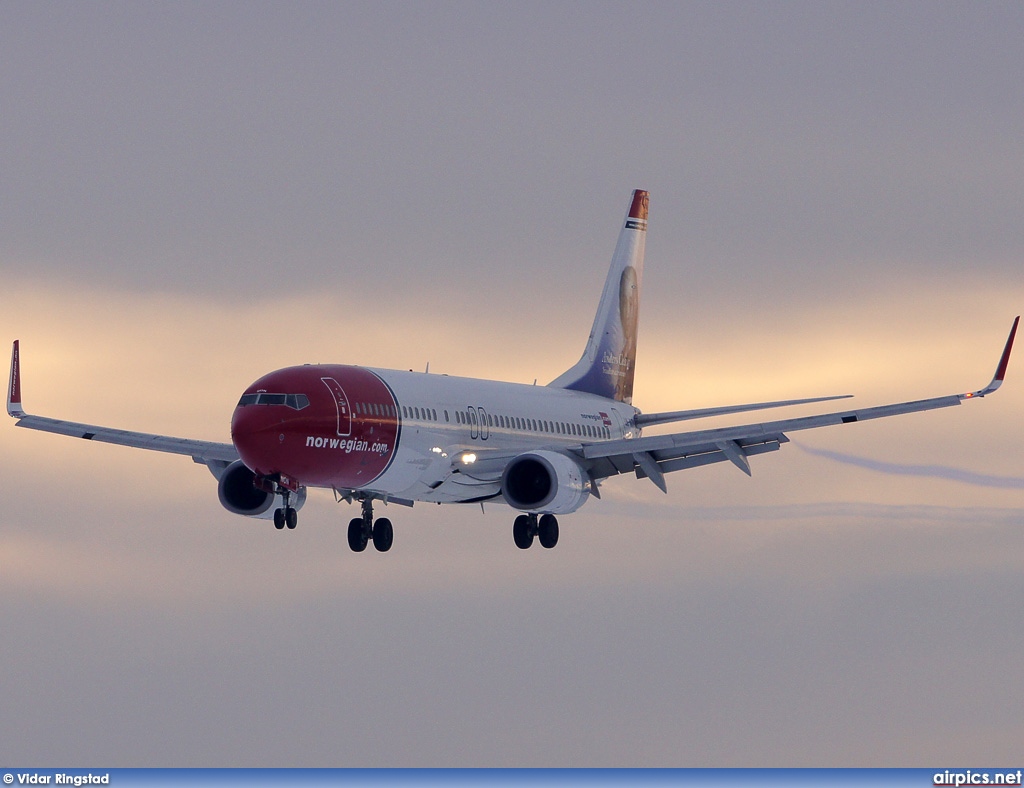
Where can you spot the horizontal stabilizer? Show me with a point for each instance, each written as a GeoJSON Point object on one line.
{"type": "Point", "coordinates": [648, 419]}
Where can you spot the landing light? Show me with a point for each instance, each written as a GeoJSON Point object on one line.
{"type": "Point", "coordinates": [468, 459]}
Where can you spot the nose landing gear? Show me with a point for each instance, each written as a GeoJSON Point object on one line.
{"type": "Point", "coordinates": [286, 515]}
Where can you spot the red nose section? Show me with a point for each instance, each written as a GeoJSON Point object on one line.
{"type": "Point", "coordinates": [322, 425]}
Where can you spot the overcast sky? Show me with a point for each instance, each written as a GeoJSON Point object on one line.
{"type": "Point", "coordinates": [194, 194]}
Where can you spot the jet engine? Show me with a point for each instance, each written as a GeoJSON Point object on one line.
{"type": "Point", "coordinates": [238, 494]}
{"type": "Point", "coordinates": [545, 481]}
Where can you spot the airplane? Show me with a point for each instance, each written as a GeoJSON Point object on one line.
{"type": "Point", "coordinates": [400, 437]}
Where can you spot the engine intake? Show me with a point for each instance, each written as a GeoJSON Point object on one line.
{"type": "Point", "coordinates": [545, 481]}
{"type": "Point", "coordinates": [239, 495]}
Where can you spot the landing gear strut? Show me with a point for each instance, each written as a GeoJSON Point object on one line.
{"type": "Point", "coordinates": [363, 529]}
{"type": "Point", "coordinates": [527, 526]}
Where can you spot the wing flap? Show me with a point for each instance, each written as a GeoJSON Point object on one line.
{"type": "Point", "coordinates": [682, 450]}
{"type": "Point", "coordinates": [707, 440]}
{"type": "Point", "coordinates": [670, 462]}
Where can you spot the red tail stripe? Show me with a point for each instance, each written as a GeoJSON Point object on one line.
{"type": "Point", "coordinates": [638, 210]}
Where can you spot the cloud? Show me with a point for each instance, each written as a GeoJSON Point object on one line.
{"type": "Point", "coordinates": [930, 471]}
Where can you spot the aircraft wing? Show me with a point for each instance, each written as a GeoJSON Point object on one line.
{"type": "Point", "coordinates": [657, 455]}
{"type": "Point", "coordinates": [205, 452]}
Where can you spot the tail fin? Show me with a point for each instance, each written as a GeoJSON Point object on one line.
{"type": "Point", "coordinates": [14, 384]}
{"type": "Point", "coordinates": [609, 361]}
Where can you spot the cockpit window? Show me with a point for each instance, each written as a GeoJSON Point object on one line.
{"type": "Point", "coordinates": [293, 401]}
{"type": "Point", "coordinates": [297, 401]}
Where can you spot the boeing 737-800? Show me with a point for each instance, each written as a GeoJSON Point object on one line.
{"type": "Point", "coordinates": [400, 437]}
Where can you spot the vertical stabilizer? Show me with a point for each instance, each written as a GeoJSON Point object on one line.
{"type": "Point", "coordinates": [14, 384]}
{"type": "Point", "coordinates": [608, 363]}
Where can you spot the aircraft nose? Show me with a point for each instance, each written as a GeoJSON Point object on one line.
{"type": "Point", "coordinates": [256, 433]}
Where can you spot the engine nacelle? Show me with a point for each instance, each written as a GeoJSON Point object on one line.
{"type": "Point", "coordinates": [238, 494]}
{"type": "Point", "coordinates": [545, 481]}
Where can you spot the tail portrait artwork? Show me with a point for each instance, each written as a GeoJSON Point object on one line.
{"type": "Point", "coordinates": [608, 364]}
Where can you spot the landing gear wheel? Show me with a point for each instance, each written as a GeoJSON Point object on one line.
{"type": "Point", "coordinates": [279, 519]}
{"type": "Point", "coordinates": [547, 530]}
{"type": "Point", "coordinates": [522, 533]}
{"type": "Point", "coordinates": [383, 535]}
{"type": "Point", "coordinates": [356, 535]}
{"type": "Point", "coordinates": [291, 518]}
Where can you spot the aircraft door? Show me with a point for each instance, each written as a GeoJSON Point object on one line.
{"type": "Point", "coordinates": [341, 403]}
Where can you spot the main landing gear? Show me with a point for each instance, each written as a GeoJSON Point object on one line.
{"type": "Point", "coordinates": [361, 530]}
{"type": "Point", "coordinates": [527, 526]}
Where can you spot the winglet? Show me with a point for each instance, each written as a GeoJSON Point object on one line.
{"type": "Point", "coordinates": [1004, 360]}
{"type": "Point", "coordinates": [14, 386]}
